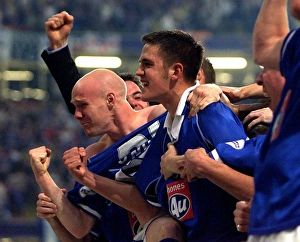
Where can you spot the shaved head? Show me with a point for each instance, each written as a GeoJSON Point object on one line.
{"type": "Point", "coordinates": [99, 82]}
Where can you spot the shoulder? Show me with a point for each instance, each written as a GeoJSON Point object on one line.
{"type": "Point", "coordinates": [215, 109]}
{"type": "Point", "coordinates": [152, 112]}
{"type": "Point", "coordinates": [95, 148]}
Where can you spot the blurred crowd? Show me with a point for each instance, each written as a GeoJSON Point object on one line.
{"type": "Point", "coordinates": [143, 16]}
{"type": "Point", "coordinates": [25, 125]}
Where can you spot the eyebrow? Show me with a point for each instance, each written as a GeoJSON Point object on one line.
{"type": "Point", "coordinates": [78, 100]}
{"type": "Point", "coordinates": [145, 60]}
{"type": "Point", "coordinates": [137, 92]}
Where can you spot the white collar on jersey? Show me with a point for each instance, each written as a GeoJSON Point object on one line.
{"type": "Point", "coordinates": [174, 125]}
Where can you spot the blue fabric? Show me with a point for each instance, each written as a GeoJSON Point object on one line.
{"type": "Point", "coordinates": [213, 207]}
{"type": "Point", "coordinates": [276, 204]}
{"type": "Point", "coordinates": [241, 155]}
{"type": "Point", "coordinates": [112, 219]}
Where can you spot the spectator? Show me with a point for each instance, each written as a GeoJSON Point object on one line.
{"type": "Point", "coordinates": [216, 16]}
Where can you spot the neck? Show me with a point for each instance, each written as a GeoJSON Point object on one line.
{"type": "Point", "coordinates": [125, 120]}
{"type": "Point", "coordinates": [171, 100]}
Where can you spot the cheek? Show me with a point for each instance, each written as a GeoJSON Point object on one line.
{"type": "Point", "coordinates": [295, 8]}
{"type": "Point", "coordinates": [274, 90]}
{"type": "Point", "coordinates": [144, 104]}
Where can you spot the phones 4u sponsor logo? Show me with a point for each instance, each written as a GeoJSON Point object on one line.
{"type": "Point", "coordinates": [179, 199]}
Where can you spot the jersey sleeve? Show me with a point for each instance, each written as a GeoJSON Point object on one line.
{"type": "Point", "coordinates": [64, 71]}
{"type": "Point", "coordinates": [219, 124]}
{"type": "Point", "coordinates": [241, 155]}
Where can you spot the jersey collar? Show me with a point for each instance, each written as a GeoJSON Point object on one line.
{"type": "Point", "coordinates": [173, 126]}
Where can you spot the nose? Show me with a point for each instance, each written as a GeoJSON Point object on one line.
{"type": "Point", "coordinates": [259, 79]}
{"type": "Point", "coordinates": [139, 71]}
{"type": "Point", "coordinates": [77, 114]}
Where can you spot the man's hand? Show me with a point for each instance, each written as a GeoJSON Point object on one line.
{"type": "Point", "coordinates": [58, 28]}
{"type": "Point", "coordinates": [263, 115]}
{"type": "Point", "coordinates": [242, 215]}
{"type": "Point", "coordinates": [45, 208]}
{"type": "Point", "coordinates": [195, 162]}
{"type": "Point", "coordinates": [74, 162]}
{"type": "Point", "coordinates": [168, 164]}
{"type": "Point", "coordinates": [202, 96]}
{"type": "Point", "coordinates": [232, 93]}
{"type": "Point", "coordinates": [40, 160]}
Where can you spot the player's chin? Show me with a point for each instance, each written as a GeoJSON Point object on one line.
{"type": "Point", "coordinates": [148, 96]}
{"type": "Point", "coordinates": [88, 132]}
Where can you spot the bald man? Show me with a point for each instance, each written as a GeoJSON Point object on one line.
{"type": "Point", "coordinates": [101, 108]}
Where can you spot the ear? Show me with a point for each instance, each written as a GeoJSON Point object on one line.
{"type": "Point", "coordinates": [110, 100]}
{"type": "Point", "coordinates": [177, 69]}
{"type": "Point", "coordinates": [200, 76]}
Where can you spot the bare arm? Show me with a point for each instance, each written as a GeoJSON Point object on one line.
{"type": "Point", "coordinates": [62, 233]}
{"type": "Point", "coordinates": [123, 194]}
{"type": "Point", "coordinates": [81, 223]}
{"type": "Point", "coordinates": [197, 164]}
{"type": "Point", "coordinates": [270, 29]}
{"type": "Point", "coordinates": [46, 209]}
{"type": "Point", "coordinates": [236, 94]}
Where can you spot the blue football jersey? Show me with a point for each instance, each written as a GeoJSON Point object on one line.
{"type": "Point", "coordinates": [241, 155]}
{"type": "Point", "coordinates": [115, 222]}
{"type": "Point", "coordinates": [204, 209]}
{"type": "Point", "coordinates": [276, 202]}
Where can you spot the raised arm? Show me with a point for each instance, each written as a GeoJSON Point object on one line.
{"type": "Point", "coordinates": [60, 63]}
{"type": "Point", "coordinates": [81, 223]}
{"type": "Point", "coordinates": [269, 32]}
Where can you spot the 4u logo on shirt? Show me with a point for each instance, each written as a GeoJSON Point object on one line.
{"type": "Point", "coordinates": [179, 200]}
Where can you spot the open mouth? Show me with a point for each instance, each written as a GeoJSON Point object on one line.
{"type": "Point", "coordinates": [145, 84]}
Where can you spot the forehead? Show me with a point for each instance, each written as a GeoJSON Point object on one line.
{"type": "Point", "coordinates": [80, 94]}
{"type": "Point", "coordinates": [131, 86]}
{"type": "Point", "coordinates": [150, 53]}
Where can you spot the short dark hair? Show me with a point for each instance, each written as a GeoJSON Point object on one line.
{"type": "Point", "coordinates": [126, 76]}
{"type": "Point", "coordinates": [178, 46]}
{"type": "Point", "coordinates": [208, 70]}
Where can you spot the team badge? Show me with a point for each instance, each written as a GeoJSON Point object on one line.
{"type": "Point", "coordinates": [84, 191]}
